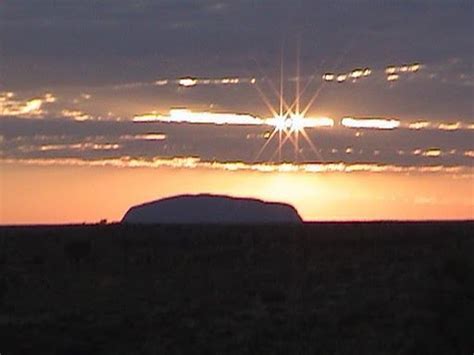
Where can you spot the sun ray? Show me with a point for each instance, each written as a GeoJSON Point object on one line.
{"type": "Point", "coordinates": [281, 82]}
{"type": "Point", "coordinates": [310, 143]}
{"type": "Point", "coordinates": [311, 101]}
{"type": "Point", "coordinates": [279, 94]}
{"type": "Point", "coordinates": [279, 145]}
{"type": "Point", "coordinates": [281, 101]}
{"type": "Point", "coordinates": [265, 145]}
{"type": "Point", "coordinates": [288, 137]}
{"type": "Point", "coordinates": [266, 100]}
{"type": "Point", "coordinates": [337, 64]}
{"type": "Point", "coordinates": [290, 121]}
{"type": "Point", "coordinates": [282, 144]}
{"type": "Point", "coordinates": [297, 94]}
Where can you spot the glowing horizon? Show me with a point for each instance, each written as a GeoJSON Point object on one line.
{"type": "Point", "coordinates": [321, 197]}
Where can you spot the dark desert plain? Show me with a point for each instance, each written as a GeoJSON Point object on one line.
{"type": "Point", "coordinates": [314, 288]}
{"type": "Point", "coordinates": [236, 177]}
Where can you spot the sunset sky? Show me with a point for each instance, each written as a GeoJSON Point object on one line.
{"type": "Point", "coordinates": [107, 104]}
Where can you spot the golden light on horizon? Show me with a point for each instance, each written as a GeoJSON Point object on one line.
{"type": "Point", "coordinates": [364, 196]}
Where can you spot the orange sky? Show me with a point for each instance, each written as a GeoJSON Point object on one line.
{"type": "Point", "coordinates": [68, 194]}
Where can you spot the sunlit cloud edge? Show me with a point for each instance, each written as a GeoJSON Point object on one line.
{"type": "Point", "coordinates": [196, 163]}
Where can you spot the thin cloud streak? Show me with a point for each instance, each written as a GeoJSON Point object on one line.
{"type": "Point", "coordinates": [187, 116]}
{"type": "Point", "coordinates": [145, 137]}
{"type": "Point", "coordinates": [377, 123]}
{"type": "Point", "coordinates": [195, 162]}
{"type": "Point", "coordinates": [76, 115]}
{"type": "Point", "coordinates": [70, 147]}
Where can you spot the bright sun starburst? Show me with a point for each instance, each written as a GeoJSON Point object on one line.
{"type": "Point", "coordinates": [290, 121]}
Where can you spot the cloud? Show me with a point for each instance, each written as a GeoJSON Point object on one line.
{"type": "Point", "coordinates": [33, 107]}
{"type": "Point", "coordinates": [432, 153]}
{"type": "Point", "coordinates": [282, 123]}
{"type": "Point", "coordinates": [191, 82]}
{"type": "Point", "coordinates": [146, 137]}
{"type": "Point", "coordinates": [195, 163]}
{"type": "Point", "coordinates": [377, 123]}
{"type": "Point", "coordinates": [419, 125]}
{"type": "Point", "coordinates": [236, 143]}
{"type": "Point", "coordinates": [65, 147]}
{"type": "Point", "coordinates": [450, 126]}
{"type": "Point", "coordinates": [187, 116]}
{"type": "Point", "coordinates": [443, 126]}
{"type": "Point", "coordinates": [76, 115]}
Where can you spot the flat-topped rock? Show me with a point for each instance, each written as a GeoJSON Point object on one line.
{"type": "Point", "coordinates": [202, 209]}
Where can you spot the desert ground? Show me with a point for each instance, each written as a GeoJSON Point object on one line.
{"type": "Point", "coordinates": [316, 288]}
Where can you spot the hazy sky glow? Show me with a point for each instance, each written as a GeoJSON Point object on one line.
{"type": "Point", "coordinates": [111, 103]}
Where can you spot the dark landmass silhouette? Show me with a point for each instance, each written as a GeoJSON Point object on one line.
{"type": "Point", "coordinates": [309, 288]}
{"type": "Point", "coordinates": [211, 209]}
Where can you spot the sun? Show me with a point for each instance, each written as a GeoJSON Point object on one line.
{"type": "Point", "coordinates": [289, 120]}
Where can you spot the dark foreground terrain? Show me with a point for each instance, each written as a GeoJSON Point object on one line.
{"type": "Point", "coordinates": [374, 288]}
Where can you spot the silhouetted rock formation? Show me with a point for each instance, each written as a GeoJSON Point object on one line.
{"type": "Point", "coordinates": [191, 209]}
